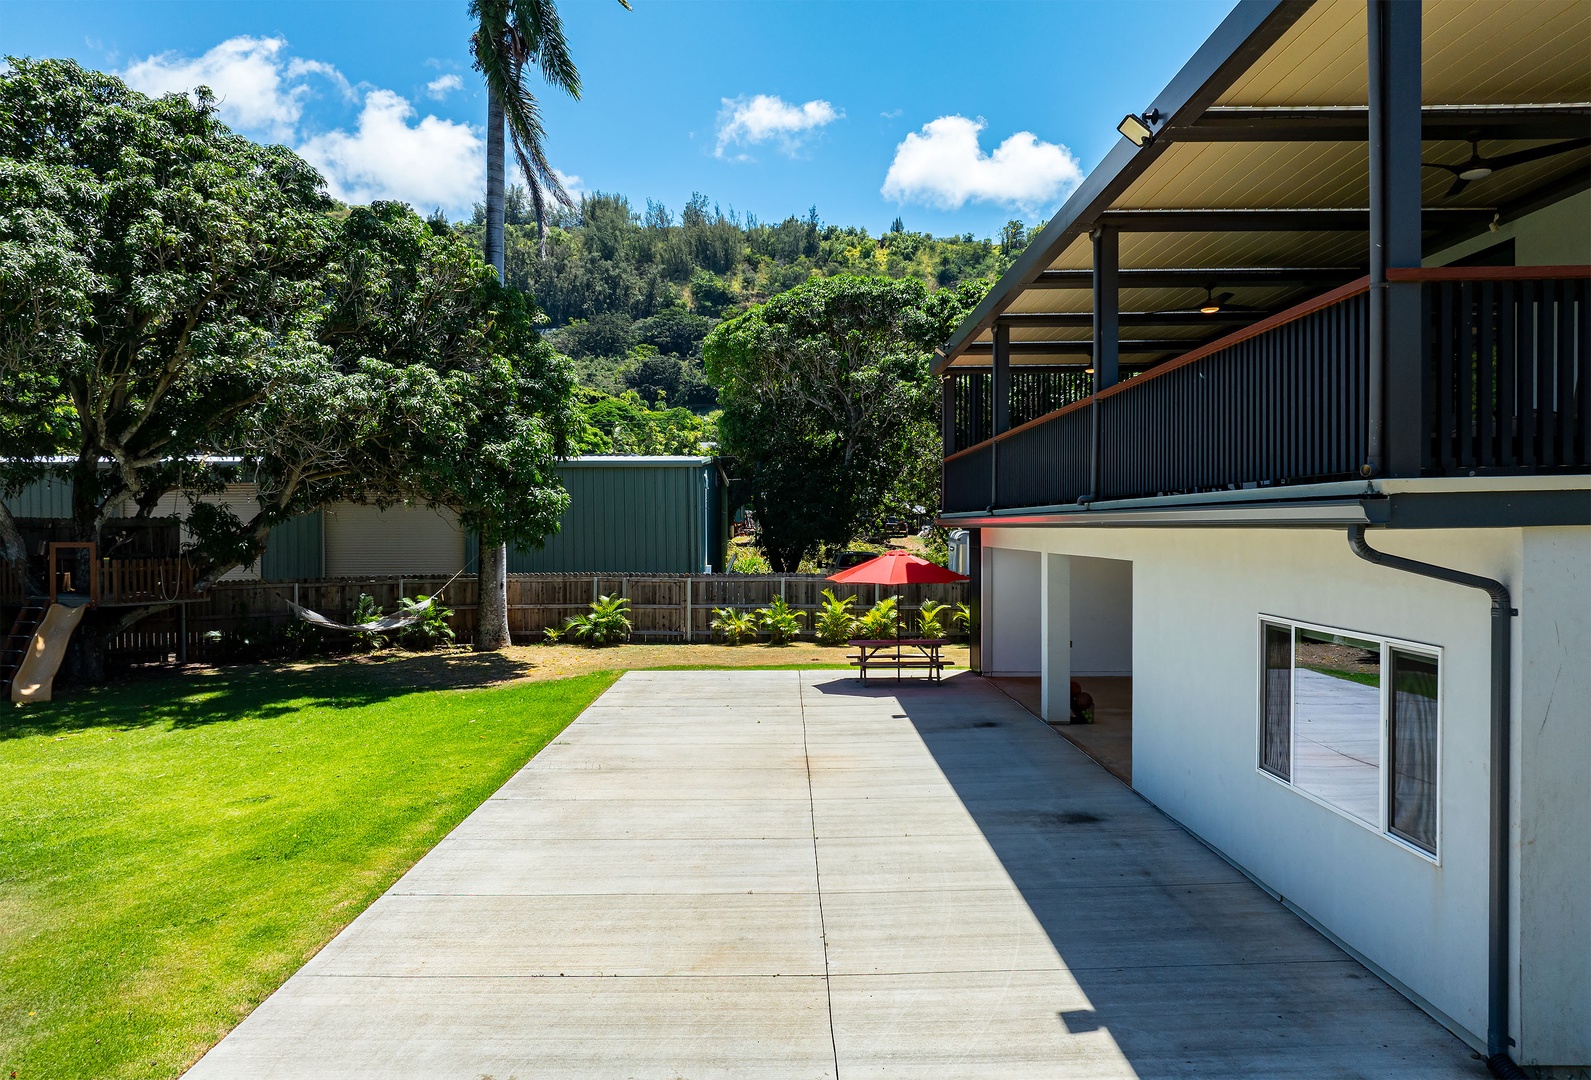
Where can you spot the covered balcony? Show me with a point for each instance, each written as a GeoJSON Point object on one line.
{"type": "Point", "coordinates": [1267, 295]}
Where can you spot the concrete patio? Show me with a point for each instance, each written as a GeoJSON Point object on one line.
{"type": "Point", "coordinates": [780, 874]}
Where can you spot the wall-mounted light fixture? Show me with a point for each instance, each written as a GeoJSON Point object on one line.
{"type": "Point", "coordinates": [1139, 130]}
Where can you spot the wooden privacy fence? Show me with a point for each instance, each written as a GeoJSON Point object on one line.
{"type": "Point", "coordinates": [663, 607]}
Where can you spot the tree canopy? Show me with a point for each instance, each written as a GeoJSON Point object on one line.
{"type": "Point", "coordinates": [182, 308]}
{"type": "Point", "coordinates": [617, 277]}
{"type": "Point", "coordinates": [828, 404]}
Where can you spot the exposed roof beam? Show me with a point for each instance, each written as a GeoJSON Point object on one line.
{"type": "Point", "coordinates": [1304, 219]}
{"type": "Point", "coordinates": [1202, 277]}
{"type": "Point", "coordinates": [1139, 346]}
{"type": "Point", "coordinates": [1084, 319]}
{"type": "Point", "coordinates": [1251, 28]}
{"type": "Point", "coordinates": [1332, 123]}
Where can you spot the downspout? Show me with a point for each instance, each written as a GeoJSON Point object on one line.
{"type": "Point", "coordinates": [1498, 928]}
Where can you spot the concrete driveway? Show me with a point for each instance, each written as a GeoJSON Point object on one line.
{"type": "Point", "coordinates": [780, 874]}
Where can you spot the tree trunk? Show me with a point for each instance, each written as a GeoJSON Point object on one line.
{"type": "Point", "coordinates": [84, 661]}
{"type": "Point", "coordinates": [494, 184]}
{"type": "Point", "coordinates": [491, 616]}
{"type": "Point", "coordinates": [13, 553]}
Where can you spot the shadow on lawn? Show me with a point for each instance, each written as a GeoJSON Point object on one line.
{"type": "Point", "coordinates": [200, 696]}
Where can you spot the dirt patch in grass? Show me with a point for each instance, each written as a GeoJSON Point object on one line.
{"type": "Point", "coordinates": [461, 669]}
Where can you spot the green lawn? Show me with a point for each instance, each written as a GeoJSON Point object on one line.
{"type": "Point", "coordinates": [172, 849]}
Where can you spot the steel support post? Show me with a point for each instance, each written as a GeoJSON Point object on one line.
{"type": "Point", "coordinates": [1002, 406]}
{"type": "Point", "coordinates": [1107, 346]}
{"type": "Point", "coordinates": [1396, 423]}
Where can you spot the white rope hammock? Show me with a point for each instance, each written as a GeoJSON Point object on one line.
{"type": "Point", "coordinates": [387, 623]}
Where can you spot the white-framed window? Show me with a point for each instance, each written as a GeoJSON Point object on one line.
{"type": "Point", "coordinates": [1352, 721]}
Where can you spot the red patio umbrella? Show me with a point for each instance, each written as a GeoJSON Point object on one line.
{"type": "Point", "coordinates": [897, 568]}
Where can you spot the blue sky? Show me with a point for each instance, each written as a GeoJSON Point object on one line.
{"type": "Point", "coordinates": [955, 116]}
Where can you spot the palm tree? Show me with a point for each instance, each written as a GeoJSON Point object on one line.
{"type": "Point", "coordinates": [510, 36]}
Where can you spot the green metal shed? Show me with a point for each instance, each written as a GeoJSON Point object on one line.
{"type": "Point", "coordinates": [635, 515]}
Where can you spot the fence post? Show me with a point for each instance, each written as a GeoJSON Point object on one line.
{"type": "Point", "coordinates": [689, 614]}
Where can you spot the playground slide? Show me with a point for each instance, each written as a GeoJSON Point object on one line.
{"type": "Point", "coordinates": [36, 676]}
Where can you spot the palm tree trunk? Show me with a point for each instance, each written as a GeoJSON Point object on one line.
{"type": "Point", "coordinates": [495, 162]}
{"type": "Point", "coordinates": [491, 627]}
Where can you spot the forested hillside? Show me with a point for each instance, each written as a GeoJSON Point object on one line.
{"type": "Point", "coordinates": [630, 293]}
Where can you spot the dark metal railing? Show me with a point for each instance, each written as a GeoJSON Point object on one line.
{"type": "Point", "coordinates": [1507, 373]}
{"type": "Point", "coordinates": [1035, 391]}
{"type": "Point", "coordinates": [1506, 388]}
{"type": "Point", "coordinates": [1282, 407]}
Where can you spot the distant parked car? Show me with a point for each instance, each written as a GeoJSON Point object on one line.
{"type": "Point", "coordinates": [849, 559]}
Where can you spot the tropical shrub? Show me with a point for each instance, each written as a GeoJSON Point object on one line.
{"type": "Point", "coordinates": [963, 617]}
{"type": "Point", "coordinates": [880, 620]}
{"type": "Point", "coordinates": [432, 629]}
{"type": "Point", "coordinates": [836, 622]}
{"type": "Point", "coordinates": [366, 610]}
{"type": "Point", "coordinates": [780, 621]}
{"type": "Point", "coordinates": [929, 621]}
{"type": "Point", "coordinates": [607, 623]}
{"type": "Point", "coordinates": [735, 627]}
{"type": "Point", "coordinates": [748, 560]}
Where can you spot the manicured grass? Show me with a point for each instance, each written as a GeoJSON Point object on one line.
{"type": "Point", "coordinates": [172, 849]}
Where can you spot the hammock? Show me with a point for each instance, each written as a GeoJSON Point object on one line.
{"type": "Point", "coordinates": [385, 624]}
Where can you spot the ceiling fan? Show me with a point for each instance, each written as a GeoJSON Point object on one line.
{"type": "Point", "coordinates": [1479, 167]}
{"type": "Point", "coordinates": [1213, 304]}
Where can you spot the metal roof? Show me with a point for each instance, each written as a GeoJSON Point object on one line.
{"type": "Point", "coordinates": [1256, 180]}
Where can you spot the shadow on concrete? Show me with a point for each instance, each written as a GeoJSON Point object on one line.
{"type": "Point", "coordinates": [200, 696]}
{"type": "Point", "coordinates": [1191, 968]}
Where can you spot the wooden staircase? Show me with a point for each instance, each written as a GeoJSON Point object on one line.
{"type": "Point", "coordinates": [17, 642]}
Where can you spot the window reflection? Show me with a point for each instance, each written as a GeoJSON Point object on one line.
{"type": "Point", "coordinates": [1337, 721]}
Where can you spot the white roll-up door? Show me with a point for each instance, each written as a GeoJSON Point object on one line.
{"type": "Point", "coordinates": [362, 541]}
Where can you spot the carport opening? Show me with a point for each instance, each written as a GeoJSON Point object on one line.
{"type": "Point", "coordinates": [1087, 603]}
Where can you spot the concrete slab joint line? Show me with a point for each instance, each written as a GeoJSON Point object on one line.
{"type": "Point", "coordinates": [817, 872]}
{"type": "Point", "coordinates": [714, 875]}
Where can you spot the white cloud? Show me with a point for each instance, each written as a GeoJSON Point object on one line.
{"type": "Point", "coordinates": [571, 183]}
{"type": "Point", "coordinates": [943, 166]}
{"type": "Point", "coordinates": [429, 164]}
{"type": "Point", "coordinates": [259, 91]}
{"type": "Point", "coordinates": [443, 85]}
{"type": "Point", "coordinates": [763, 117]}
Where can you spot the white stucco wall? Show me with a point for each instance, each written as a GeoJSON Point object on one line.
{"type": "Point", "coordinates": [1553, 796]}
{"type": "Point", "coordinates": [1101, 616]}
{"type": "Point", "coordinates": [1011, 645]}
{"type": "Point", "coordinates": [1197, 595]}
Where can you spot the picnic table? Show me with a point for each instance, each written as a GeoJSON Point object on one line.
{"type": "Point", "coordinates": [900, 654]}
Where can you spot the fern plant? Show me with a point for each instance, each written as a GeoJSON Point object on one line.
{"type": "Point", "coordinates": [736, 627]}
{"type": "Point", "coordinates": [607, 623]}
{"type": "Point", "coordinates": [836, 622]}
{"type": "Point", "coordinates": [881, 619]}
{"type": "Point", "coordinates": [929, 621]}
{"type": "Point", "coordinates": [432, 629]}
{"type": "Point", "coordinates": [780, 621]}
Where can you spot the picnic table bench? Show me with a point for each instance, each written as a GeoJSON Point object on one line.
{"type": "Point", "coordinates": [900, 654]}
